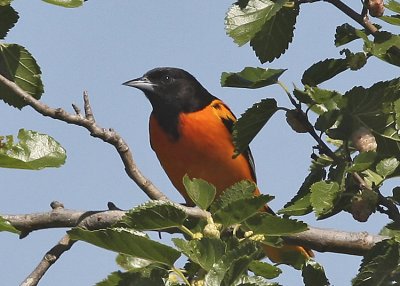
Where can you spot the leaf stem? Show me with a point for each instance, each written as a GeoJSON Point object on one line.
{"type": "Point", "coordinates": [181, 275]}
{"type": "Point", "coordinates": [187, 231]}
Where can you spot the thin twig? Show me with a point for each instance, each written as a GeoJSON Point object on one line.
{"type": "Point", "coordinates": [48, 260]}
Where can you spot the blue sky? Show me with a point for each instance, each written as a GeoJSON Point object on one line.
{"type": "Point", "coordinates": [104, 43]}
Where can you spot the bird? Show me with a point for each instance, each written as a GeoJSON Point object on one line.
{"type": "Point", "coordinates": [191, 133]}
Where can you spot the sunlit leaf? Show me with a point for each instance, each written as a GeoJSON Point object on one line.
{"type": "Point", "coordinates": [323, 197]}
{"type": "Point", "coordinates": [154, 215]}
{"type": "Point", "coordinates": [264, 269]}
{"type": "Point", "coordinates": [242, 23]}
{"type": "Point", "coordinates": [200, 191]}
{"type": "Point", "coordinates": [66, 3]}
{"type": "Point", "coordinates": [146, 276]}
{"type": "Point", "coordinates": [363, 161]}
{"type": "Point", "coordinates": [128, 241]}
{"type": "Point", "coordinates": [34, 151]}
{"type": "Point", "coordinates": [393, 6]}
{"type": "Point", "coordinates": [268, 224]}
{"type": "Point", "coordinates": [386, 167]}
{"type": "Point", "coordinates": [6, 226]}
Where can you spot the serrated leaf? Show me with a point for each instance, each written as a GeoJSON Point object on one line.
{"type": "Point", "coordinates": [18, 65]}
{"type": "Point", "coordinates": [323, 197]}
{"type": "Point", "coordinates": [323, 70]}
{"type": "Point", "coordinates": [128, 241]}
{"type": "Point", "coordinates": [145, 277]}
{"type": "Point", "coordinates": [200, 191]}
{"type": "Point", "coordinates": [251, 122]}
{"type": "Point", "coordinates": [378, 264]}
{"type": "Point", "coordinates": [204, 252]}
{"type": "Point", "coordinates": [363, 161]}
{"type": "Point", "coordinates": [391, 230]}
{"type": "Point", "coordinates": [372, 178]}
{"type": "Point", "coordinates": [300, 204]}
{"type": "Point", "coordinates": [154, 215]}
{"type": "Point", "coordinates": [270, 225]}
{"type": "Point", "coordinates": [239, 210]}
{"type": "Point", "coordinates": [386, 46]}
{"type": "Point", "coordinates": [34, 151]}
{"type": "Point", "coordinates": [264, 269]}
{"type": "Point", "coordinates": [393, 6]}
{"type": "Point", "coordinates": [7, 226]}
{"type": "Point", "coordinates": [276, 34]}
{"type": "Point", "coordinates": [374, 108]}
{"type": "Point", "coordinates": [326, 120]}
{"type": "Point", "coordinates": [66, 3]}
{"type": "Point", "coordinates": [386, 167]}
{"type": "Point", "coordinates": [251, 77]}
{"type": "Point", "coordinates": [241, 190]}
{"type": "Point", "coordinates": [347, 33]}
{"type": "Point", "coordinates": [242, 23]}
{"type": "Point", "coordinates": [325, 99]}
{"type": "Point", "coordinates": [8, 19]}
{"type": "Point", "coordinates": [231, 265]}
{"type": "Point", "coordinates": [313, 274]}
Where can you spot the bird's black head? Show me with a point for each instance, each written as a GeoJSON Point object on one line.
{"type": "Point", "coordinates": [172, 90]}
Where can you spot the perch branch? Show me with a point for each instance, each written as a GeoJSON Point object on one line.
{"type": "Point", "coordinates": [323, 240]}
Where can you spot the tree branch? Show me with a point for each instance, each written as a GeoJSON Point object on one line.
{"type": "Point", "coordinates": [48, 260]}
{"type": "Point", "coordinates": [323, 240]}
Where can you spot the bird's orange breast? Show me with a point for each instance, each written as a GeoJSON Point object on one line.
{"type": "Point", "coordinates": [203, 150]}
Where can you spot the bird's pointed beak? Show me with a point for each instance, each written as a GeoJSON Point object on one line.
{"type": "Point", "coordinates": [142, 83]}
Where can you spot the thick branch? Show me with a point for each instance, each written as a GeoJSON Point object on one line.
{"type": "Point", "coordinates": [324, 240]}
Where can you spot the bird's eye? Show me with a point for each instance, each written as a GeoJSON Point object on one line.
{"type": "Point", "coordinates": [167, 79]}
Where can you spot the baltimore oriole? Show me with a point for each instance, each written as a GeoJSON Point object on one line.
{"type": "Point", "coordinates": [190, 132]}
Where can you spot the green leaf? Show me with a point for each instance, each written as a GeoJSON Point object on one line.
{"type": "Point", "coordinates": [66, 3]}
{"type": "Point", "coordinates": [323, 70]}
{"type": "Point", "coordinates": [152, 276]}
{"type": "Point", "coordinates": [239, 191]}
{"type": "Point", "coordinates": [128, 262]}
{"type": "Point", "coordinates": [6, 226]}
{"type": "Point", "coordinates": [363, 161]}
{"type": "Point", "coordinates": [251, 77]}
{"type": "Point", "coordinates": [264, 269]}
{"type": "Point", "coordinates": [239, 210]}
{"type": "Point", "coordinates": [326, 100]}
{"type": "Point", "coordinates": [314, 274]}
{"type": "Point", "coordinates": [154, 215]}
{"type": "Point", "coordinates": [242, 23]}
{"type": "Point", "coordinates": [300, 204]}
{"type": "Point", "coordinates": [270, 225]}
{"type": "Point", "coordinates": [326, 120]}
{"type": "Point", "coordinates": [9, 18]}
{"type": "Point", "coordinates": [372, 178]}
{"type": "Point", "coordinates": [393, 6]}
{"type": "Point", "coordinates": [204, 252]}
{"type": "Point", "coordinates": [378, 264]}
{"type": "Point", "coordinates": [374, 108]}
{"type": "Point", "coordinates": [129, 242]}
{"type": "Point", "coordinates": [393, 19]}
{"type": "Point", "coordinates": [18, 65]}
{"type": "Point", "coordinates": [232, 265]}
{"type": "Point", "coordinates": [347, 33]}
{"type": "Point", "coordinates": [276, 34]}
{"type": "Point", "coordinates": [386, 167]}
{"type": "Point", "coordinates": [391, 230]}
{"type": "Point", "coordinates": [386, 47]}
{"type": "Point", "coordinates": [396, 194]}
{"type": "Point", "coordinates": [251, 122]}
{"type": "Point", "coordinates": [5, 2]}
{"type": "Point", "coordinates": [200, 191]}
{"type": "Point", "coordinates": [323, 197]}
{"type": "Point", "coordinates": [34, 151]}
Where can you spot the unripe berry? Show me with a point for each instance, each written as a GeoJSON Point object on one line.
{"type": "Point", "coordinates": [364, 140]}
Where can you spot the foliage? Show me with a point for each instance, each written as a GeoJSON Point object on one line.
{"type": "Point", "coordinates": [357, 150]}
